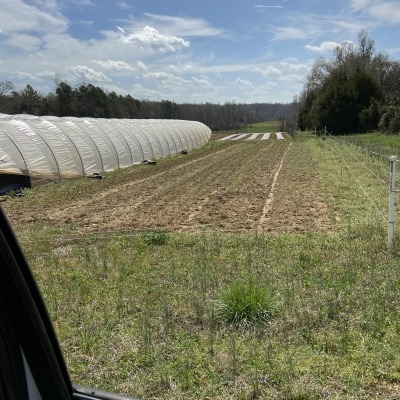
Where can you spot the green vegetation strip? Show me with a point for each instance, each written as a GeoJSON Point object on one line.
{"type": "Point", "coordinates": [261, 127]}
{"type": "Point", "coordinates": [142, 314]}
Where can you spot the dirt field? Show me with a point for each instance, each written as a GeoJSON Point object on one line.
{"type": "Point", "coordinates": [260, 186]}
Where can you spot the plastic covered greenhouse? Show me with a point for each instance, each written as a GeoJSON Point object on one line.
{"type": "Point", "coordinates": [56, 148]}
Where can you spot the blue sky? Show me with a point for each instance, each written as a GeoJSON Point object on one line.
{"type": "Point", "coordinates": [196, 51]}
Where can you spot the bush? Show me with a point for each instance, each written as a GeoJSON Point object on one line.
{"type": "Point", "coordinates": [245, 304]}
{"type": "Point", "coordinates": [394, 126]}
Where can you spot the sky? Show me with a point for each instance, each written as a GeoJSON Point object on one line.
{"type": "Point", "coordinates": [186, 51]}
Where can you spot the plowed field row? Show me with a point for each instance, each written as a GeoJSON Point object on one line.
{"type": "Point", "coordinates": [225, 187]}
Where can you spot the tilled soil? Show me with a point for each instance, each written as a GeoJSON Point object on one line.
{"type": "Point", "coordinates": [264, 186]}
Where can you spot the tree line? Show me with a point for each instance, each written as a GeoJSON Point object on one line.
{"type": "Point", "coordinates": [357, 90]}
{"type": "Point", "coordinates": [87, 100]}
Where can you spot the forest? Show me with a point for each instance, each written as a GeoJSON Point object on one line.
{"type": "Point", "coordinates": [87, 100]}
{"type": "Point", "coordinates": [357, 90]}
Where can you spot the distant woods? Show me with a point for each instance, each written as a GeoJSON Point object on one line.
{"type": "Point", "coordinates": [357, 90]}
{"type": "Point", "coordinates": [87, 100]}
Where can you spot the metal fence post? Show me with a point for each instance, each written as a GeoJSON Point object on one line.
{"type": "Point", "coordinates": [392, 190]}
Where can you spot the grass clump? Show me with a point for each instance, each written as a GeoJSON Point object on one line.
{"type": "Point", "coordinates": [245, 304]}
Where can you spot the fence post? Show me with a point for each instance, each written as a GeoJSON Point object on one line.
{"type": "Point", "coordinates": [392, 189]}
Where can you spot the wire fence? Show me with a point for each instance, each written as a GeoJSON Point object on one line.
{"type": "Point", "coordinates": [370, 169]}
{"type": "Point", "coordinates": [358, 181]}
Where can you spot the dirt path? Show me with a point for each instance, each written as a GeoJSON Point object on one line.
{"type": "Point", "coordinates": [268, 204]}
{"type": "Point", "coordinates": [241, 186]}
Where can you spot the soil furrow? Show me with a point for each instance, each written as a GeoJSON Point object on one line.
{"type": "Point", "coordinates": [225, 187]}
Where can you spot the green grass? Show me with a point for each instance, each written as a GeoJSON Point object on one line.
{"type": "Point", "coordinates": [378, 139]}
{"type": "Point", "coordinates": [260, 127]}
{"type": "Point", "coordinates": [137, 313]}
{"type": "Point", "coordinates": [156, 237]}
{"type": "Point", "coordinates": [386, 145]}
{"type": "Point", "coordinates": [137, 318]}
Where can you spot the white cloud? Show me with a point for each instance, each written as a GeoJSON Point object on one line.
{"type": "Point", "coordinates": [358, 5]}
{"type": "Point", "coordinates": [180, 68]}
{"type": "Point", "coordinates": [293, 66]}
{"type": "Point", "coordinates": [49, 4]}
{"type": "Point", "coordinates": [324, 47]}
{"type": "Point", "coordinates": [268, 71]}
{"type": "Point", "coordinates": [209, 68]}
{"type": "Point", "coordinates": [172, 68]}
{"type": "Point", "coordinates": [141, 65]}
{"type": "Point", "coordinates": [24, 42]}
{"type": "Point", "coordinates": [385, 11]}
{"type": "Point", "coordinates": [46, 74]}
{"type": "Point", "coordinates": [82, 2]}
{"type": "Point", "coordinates": [85, 22]}
{"type": "Point", "coordinates": [261, 6]}
{"type": "Point", "coordinates": [165, 78]}
{"type": "Point", "coordinates": [329, 47]}
{"type": "Point", "coordinates": [191, 27]}
{"type": "Point", "coordinates": [18, 16]}
{"type": "Point", "coordinates": [203, 81]}
{"type": "Point", "coordinates": [114, 65]}
{"type": "Point", "coordinates": [157, 75]}
{"type": "Point", "coordinates": [23, 75]}
{"type": "Point", "coordinates": [301, 27]}
{"type": "Point", "coordinates": [150, 38]}
{"type": "Point", "coordinates": [124, 6]}
{"type": "Point", "coordinates": [141, 92]}
{"type": "Point", "coordinates": [38, 55]}
{"type": "Point", "coordinates": [82, 71]}
{"type": "Point", "coordinates": [291, 32]}
{"type": "Point", "coordinates": [291, 78]}
{"type": "Point", "coordinates": [244, 82]}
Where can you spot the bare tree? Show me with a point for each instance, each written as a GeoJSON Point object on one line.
{"type": "Point", "coordinates": [6, 87]}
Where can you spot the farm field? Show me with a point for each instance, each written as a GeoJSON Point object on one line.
{"type": "Point", "coordinates": [137, 271]}
{"type": "Point", "coordinates": [252, 186]}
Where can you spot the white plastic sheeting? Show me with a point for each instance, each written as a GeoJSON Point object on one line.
{"type": "Point", "coordinates": [61, 148]}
